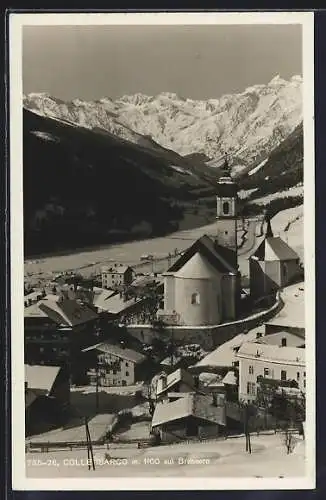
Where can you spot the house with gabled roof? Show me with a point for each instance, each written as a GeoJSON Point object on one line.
{"type": "Point", "coordinates": [179, 381]}
{"type": "Point", "coordinates": [277, 362]}
{"type": "Point", "coordinates": [56, 329]}
{"type": "Point", "coordinates": [47, 397]}
{"type": "Point", "coordinates": [191, 416]}
{"type": "Point", "coordinates": [273, 265]}
{"type": "Point", "coordinates": [114, 365]}
{"type": "Point", "coordinates": [203, 286]}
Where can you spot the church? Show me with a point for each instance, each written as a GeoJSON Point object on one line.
{"type": "Point", "coordinates": [273, 265]}
{"type": "Point", "coordinates": [203, 287]}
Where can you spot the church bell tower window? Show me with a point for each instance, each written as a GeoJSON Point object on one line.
{"type": "Point", "coordinates": [226, 208]}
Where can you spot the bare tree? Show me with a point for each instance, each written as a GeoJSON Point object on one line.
{"type": "Point", "coordinates": [289, 440]}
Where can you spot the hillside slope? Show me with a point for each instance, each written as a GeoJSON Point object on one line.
{"type": "Point", "coordinates": [85, 187]}
{"type": "Point", "coordinates": [89, 187]}
{"type": "Point", "coordinates": [277, 182]}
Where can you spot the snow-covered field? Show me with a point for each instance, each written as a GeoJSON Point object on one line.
{"type": "Point", "coordinates": [89, 262]}
{"type": "Point", "coordinates": [225, 458]}
{"type": "Point", "coordinates": [288, 193]}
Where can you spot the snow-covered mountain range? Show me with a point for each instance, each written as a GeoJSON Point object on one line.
{"type": "Point", "coordinates": [248, 125]}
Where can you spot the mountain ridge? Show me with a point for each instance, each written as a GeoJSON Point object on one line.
{"type": "Point", "coordinates": [247, 125]}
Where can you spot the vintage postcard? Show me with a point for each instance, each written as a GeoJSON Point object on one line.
{"type": "Point", "coordinates": [162, 251]}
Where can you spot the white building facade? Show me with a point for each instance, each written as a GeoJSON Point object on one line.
{"type": "Point", "coordinates": [270, 362]}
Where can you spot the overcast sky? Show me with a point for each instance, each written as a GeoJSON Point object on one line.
{"type": "Point", "coordinates": [198, 62]}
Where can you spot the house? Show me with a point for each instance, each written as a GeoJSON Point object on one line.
{"type": "Point", "coordinates": [100, 299]}
{"type": "Point", "coordinates": [203, 285]}
{"type": "Point", "coordinates": [224, 356]}
{"type": "Point", "coordinates": [180, 381]}
{"type": "Point", "coordinates": [33, 297]}
{"type": "Point", "coordinates": [116, 275]}
{"type": "Point", "coordinates": [278, 362]}
{"type": "Point", "coordinates": [56, 330]}
{"type": "Point", "coordinates": [273, 266]}
{"type": "Point", "coordinates": [188, 417]}
{"type": "Point", "coordinates": [47, 397]}
{"type": "Point", "coordinates": [282, 339]}
{"type": "Point", "coordinates": [112, 365]}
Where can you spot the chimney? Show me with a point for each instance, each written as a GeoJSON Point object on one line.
{"type": "Point", "coordinates": [283, 342]}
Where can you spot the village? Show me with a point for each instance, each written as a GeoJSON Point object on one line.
{"type": "Point", "coordinates": [209, 348]}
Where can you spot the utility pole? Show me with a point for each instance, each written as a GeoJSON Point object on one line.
{"type": "Point", "coordinates": [97, 384]}
{"type": "Point", "coordinates": [89, 447]}
{"type": "Point", "coordinates": [172, 347]}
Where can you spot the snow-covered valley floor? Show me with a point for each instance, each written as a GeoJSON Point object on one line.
{"type": "Point", "coordinates": [225, 458]}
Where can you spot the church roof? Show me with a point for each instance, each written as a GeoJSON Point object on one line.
{"type": "Point", "coordinates": [221, 258]}
{"type": "Point", "coordinates": [274, 248]}
{"type": "Point", "coordinates": [197, 267]}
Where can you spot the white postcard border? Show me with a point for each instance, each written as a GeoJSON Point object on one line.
{"type": "Point", "coordinates": [16, 22]}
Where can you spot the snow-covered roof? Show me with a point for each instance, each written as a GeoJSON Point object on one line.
{"type": "Point", "coordinates": [230, 379]}
{"type": "Point", "coordinates": [116, 303]}
{"type": "Point", "coordinates": [293, 312]}
{"type": "Point", "coordinates": [100, 299]}
{"type": "Point", "coordinates": [64, 312]}
{"type": "Point", "coordinates": [167, 412]}
{"type": "Point", "coordinates": [172, 379]}
{"type": "Point", "coordinates": [225, 354]}
{"type": "Point", "coordinates": [128, 354]}
{"type": "Point", "coordinates": [276, 339]}
{"type": "Point", "coordinates": [40, 377]}
{"type": "Point", "coordinates": [197, 267]}
{"type": "Point", "coordinates": [272, 353]}
{"type": "Point", "coordinates": [274, 248]}
{"type": "Point", "coordinates": [120, 269]}
{"type": "Point", "coordinates": [195, 405]}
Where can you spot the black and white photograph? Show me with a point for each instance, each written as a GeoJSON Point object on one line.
{"type": "Point", "coordinates": [162, 250]}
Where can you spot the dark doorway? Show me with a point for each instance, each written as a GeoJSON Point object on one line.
{"type": "Point", "coordinates": [192, 428]}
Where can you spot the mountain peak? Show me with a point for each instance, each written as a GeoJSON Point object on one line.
{"type": "Point", "coordinates": [248, 124]}
{"type": "Point", "coordinates": [277, 80]}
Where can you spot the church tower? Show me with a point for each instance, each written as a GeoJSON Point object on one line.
{"type": "Point", "coordinates": [226, 209]}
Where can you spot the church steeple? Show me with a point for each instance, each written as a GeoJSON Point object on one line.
{"type": "Point", "coordinates": [226, 171]}
{"type": "Point", "coordinates": [226, 208]}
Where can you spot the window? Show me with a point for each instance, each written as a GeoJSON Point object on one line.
{"type": "Point", "coordinates": [126, 361]}
{"type": "Point", "coordinates": [251, 388]}
{"type": "Point", "coordinates": [283, 375]}
{"type": "Point", "coordinates": [266, 372]}
{"type": "Point", "coordinates": [226, 232]}
{"type": "Point", "coordinates": [304, 374]}
{"type": "Point", "coordinates": [127, 374]}
{"type": "Point", "coordinates": [298, 375]}
{"type": "Point", "coordinates": [251, 370]}
{"type": "Point", "coordinates": [195, 298]}
{"type": "Point", "coordinates": [226, 208]}
{"type": "Point", "coordinates": [304, 384]}
{"type": "Point", "coordinates": [41, 349]}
